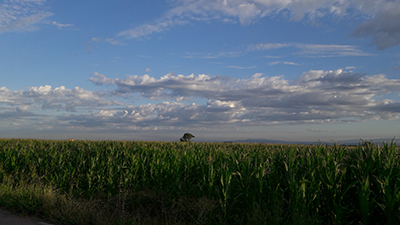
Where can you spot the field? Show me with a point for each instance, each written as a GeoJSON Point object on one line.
{"type": "Point", "coordinates": [120, 182]}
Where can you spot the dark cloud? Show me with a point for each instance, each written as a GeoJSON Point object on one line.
{"type": "Point", "coordinates": [388, 106]}
{"type": "Point", "coordinates": [16, 113]}
{"type": "Point", "coordinates": [384, 27]}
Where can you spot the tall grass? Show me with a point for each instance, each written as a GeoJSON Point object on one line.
{"type": "Point", "coordinates": [214, 183]}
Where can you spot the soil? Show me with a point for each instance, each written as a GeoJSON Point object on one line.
{"type": "Point", "coordinates": [8, 218]}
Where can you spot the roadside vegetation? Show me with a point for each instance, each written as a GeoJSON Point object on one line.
{"type": "Point", "coordinates": [120, 182]}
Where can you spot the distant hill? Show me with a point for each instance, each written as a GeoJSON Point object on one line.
{"type": "Point", "coordinates": [268, 141]}
{"type": "Point", "coordinates": [342, 142]}
{"type": "Point", "coordinates": [357, 141]}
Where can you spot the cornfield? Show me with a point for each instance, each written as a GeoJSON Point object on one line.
{"type": "Point", "coordinates": [217, 183]}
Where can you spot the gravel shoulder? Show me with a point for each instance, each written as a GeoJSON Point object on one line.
{"type": "Point", "coordinates": [8, 218]}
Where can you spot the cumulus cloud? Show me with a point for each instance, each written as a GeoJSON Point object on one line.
{"type": "Point", "coordinates": [58, 98]}
{"type": "Point", "coordinates": [38, 108]}
{"type": "Point", "coordinates": [316, 97]}
{"type": "Point", "coordinates": [382, 24]}
{"type": "Point", "coordinates": [165, 115]}
{"type": "Point", "coordinates": [100, 79]}
{"type": "Point", "coordinates": [21, 15]}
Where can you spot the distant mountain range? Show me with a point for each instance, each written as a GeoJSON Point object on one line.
{"type": "Point", "coordinates": [342, 142]}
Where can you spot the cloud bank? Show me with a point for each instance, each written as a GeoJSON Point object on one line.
{"type": "Point", "coordinates": [316, 97]}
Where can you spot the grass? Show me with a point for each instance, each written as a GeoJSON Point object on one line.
{"type": "Point", "coordinates": [119, 182]}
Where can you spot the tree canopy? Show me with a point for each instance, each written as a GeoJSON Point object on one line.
{"type": "Point", "coordinates": [186, 137]}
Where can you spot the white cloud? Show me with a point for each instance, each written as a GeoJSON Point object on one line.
{"type": "Point", "coordinates": [100, 79]}
{"type": "Point", "coordinates": [148, 70]}
{"type": "Point", "coordinates": [330, 50]}
{"type": "Point", "coordinates": [300, 49]}
{"type": "Point", "coordinates": [146, 29]}
{"type": "Point", "coordinates": [59, 25]}
{"type": "Point", "coordinates": [59, 98]}
{"type": "Point", "coordinates": [285, 63]}
{"type": "Point", "coordinates": [268, 46]}
{"type": "Point", "coordinates": [292, 63]}
{"type": "Point", "coordinates": [242, 67]}
{"type": "Point", "coordinates": [40, 108]}
{"type": "Point", "coordinates": [383, 26]}
{"type": "Point", "coordinates": [165, 115]}
{"type": "Point", "coordinates": [313, 50]}
{"type": "Point", "coordinates": [21, 15]}
{"type": "Point", "coordinates": [316, 97]}
{"type": "Point", "coordinates": [218, 55]}
{"type": "Point", "coordinates": [246, 11]}
{"type": "Point", "coordinates": [272, 57]}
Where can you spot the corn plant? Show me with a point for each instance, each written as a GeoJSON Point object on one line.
{"type": "Point", "coordinates": [223, 182]}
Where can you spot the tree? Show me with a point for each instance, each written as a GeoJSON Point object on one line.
{"type": "Point", "coordinates": [186, 137]}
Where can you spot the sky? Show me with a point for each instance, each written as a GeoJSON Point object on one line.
{"type": "Point", "coordinates": [223, 70]}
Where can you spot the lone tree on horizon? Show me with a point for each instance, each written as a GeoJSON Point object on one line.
{"type": "Point", "coordinates": [186, 137]}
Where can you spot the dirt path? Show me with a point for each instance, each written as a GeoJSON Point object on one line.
{"type": "Point", "coordinates": [7, 218]}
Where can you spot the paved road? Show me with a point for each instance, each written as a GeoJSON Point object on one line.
{"type": "Point", "coordinates": [7, 218]}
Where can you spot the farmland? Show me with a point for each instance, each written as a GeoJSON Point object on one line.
{"type": "Point", "coordinates": [121, 182]}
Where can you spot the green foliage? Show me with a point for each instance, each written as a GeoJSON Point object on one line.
{"type": "Point", "coordinates": [187, 137]}
{"type": "Point", "coordinates": [216, 183]}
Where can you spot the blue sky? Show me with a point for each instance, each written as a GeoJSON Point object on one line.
{"type": "Point", "coordinates": [304, 70]}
